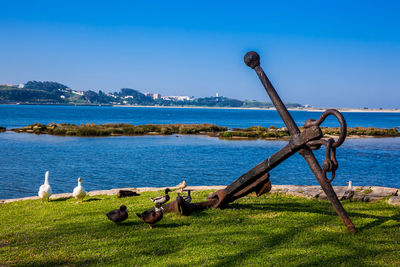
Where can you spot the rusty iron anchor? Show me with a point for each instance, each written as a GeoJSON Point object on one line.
{"type": "Point", "coordinates": [257, 178]}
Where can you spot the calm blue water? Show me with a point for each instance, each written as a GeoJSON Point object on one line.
{"type": "Point", "coordinates": [113, 162]}
{"type": "Point", "coordinates": [12, 116]}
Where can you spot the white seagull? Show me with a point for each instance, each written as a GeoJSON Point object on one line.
{"type": "Point", "coordinates": [79, 193]}
{"type": "Point", "coordinates": [181, 185]}
{"type": "Point", "coordinates": [45, 189]}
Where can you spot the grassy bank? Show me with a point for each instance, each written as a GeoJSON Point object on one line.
{"type": "Point", "coordinates": [272, 132]}
{"type": "Point", "coordinates": [270, 230]}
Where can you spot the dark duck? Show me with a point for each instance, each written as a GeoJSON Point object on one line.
{"type": "Point", "coordinates": [151, 216]}
{"type": "Point", "coordinates": [118, 215]}
{"type": "Point", "coordinates": [127, 193]}
{"type": "Point", "coordinates": [187, 198]}
{"type": "Point", "coordinates": [161, 199]}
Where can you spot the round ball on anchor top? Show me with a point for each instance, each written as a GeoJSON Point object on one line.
{"type": "Point", "coordinates": [252, 59]}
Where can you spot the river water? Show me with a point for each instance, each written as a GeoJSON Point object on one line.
{"type": "Point", "coordinates": [114, 162]}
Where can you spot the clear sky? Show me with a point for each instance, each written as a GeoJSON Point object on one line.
{"type": "Point", "coordinates": [322, 53]}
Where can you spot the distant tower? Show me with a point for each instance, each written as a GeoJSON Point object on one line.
{"type": "Point", "coordinates": [216, 95]}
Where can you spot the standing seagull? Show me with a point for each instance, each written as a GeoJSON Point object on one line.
{"type": "Point", "coordinates": [349, 193]}
{"type": "Point", "coordinates": [181, 185]}
{"type": "Point", "coordinates": [118, 215]}
{"type": "Point", "coordinates": [79, 193]}
{"type": "Point", "coordinates": [45, 189]}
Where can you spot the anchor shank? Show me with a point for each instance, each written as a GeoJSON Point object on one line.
{"type": "Point", "coordinates": [276, 100]}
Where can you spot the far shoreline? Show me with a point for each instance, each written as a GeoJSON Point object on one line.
{"type": "Point", "coordinates": [313, 109]}
{"type": "Point", "coordinates": [310, 109]}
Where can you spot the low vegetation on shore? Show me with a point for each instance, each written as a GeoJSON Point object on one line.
{"type": "Point", "coordinates": [273, 230]}
{"type": "Point", "coordinates": [91, 129]}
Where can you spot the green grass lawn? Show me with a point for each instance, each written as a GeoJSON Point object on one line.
{"type": "Point", "coordinates": [271, 230]}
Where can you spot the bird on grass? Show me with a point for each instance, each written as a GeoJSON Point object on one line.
{"type": "Point", "coordinates": [127, 193]}
{"type": "Point", "coordinates": [118, 215]}
{"type": "Point", "coordinates": [45, 189]}
{"type": "Point", "coordinates": [161, 199]}
{"type": "Point", "coordinates": [349, 193]}
{"type": "Point", "coordinates": [181, 185]}
{"type": "Point", "coordinates": [79, 193]}
{"type": "Point", "coordinates": [151, 216]}
{"type": "Point", "coordinates": [187, 198]}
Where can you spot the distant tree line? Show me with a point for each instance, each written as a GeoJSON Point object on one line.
{"type": "Point", "coordinates": [45, 86]}
{"type": "Point", "coordinates": [37, 92]}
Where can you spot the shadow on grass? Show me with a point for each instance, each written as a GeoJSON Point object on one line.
{"type": "Point", "coordinates": [127, 223]}
{"type": "Point", "coordinates": [170, 225]}
{"type": "Point", "coordinates": [323, 208]}
{"type": "Point", "coordinates": [60, 199]}
{"type": "Point", "coordinates": [300, 244]}
{"type": "Point", "coordinates": [92, 199]}
{"type": "Point", "coordinates": [71, 262]}
{"type": "Point", "coordinates": [294, 206]}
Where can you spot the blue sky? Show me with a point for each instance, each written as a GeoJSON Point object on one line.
{"type": "Point", "coordinates": [323, 53]}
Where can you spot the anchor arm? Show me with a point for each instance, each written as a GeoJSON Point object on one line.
{"type": "Point", "coordinates": [295, 144]}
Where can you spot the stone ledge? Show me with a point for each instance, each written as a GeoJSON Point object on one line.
{"type": "Point", "coordinates": [361, 193]}
{"type": "Point", "coordinates": [394, 200]}
{"type": "Point", "coordinates": [114, 191]}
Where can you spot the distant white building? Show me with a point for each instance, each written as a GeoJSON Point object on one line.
{"type": "Point", "coordinates": [178, 98]}
{"type": "Point", "coordinates": [21, 85]}
{"type": "Point", "coordinates": [156, 96]}
{"type": "Point", "coordinates": [77, 92]}
{"type": "Point", "coordinates": [111, 95]}
{"type": "Point", "coordinates": [216, 95]}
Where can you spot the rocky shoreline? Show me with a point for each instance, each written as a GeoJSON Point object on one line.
{"type": "Point", "coordinates": [361, 193]}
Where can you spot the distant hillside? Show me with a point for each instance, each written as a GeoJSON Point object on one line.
{"type": "Point", "coordinates": [11, 94]}
{"type": "Point", "coordinates": [47, 92]}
